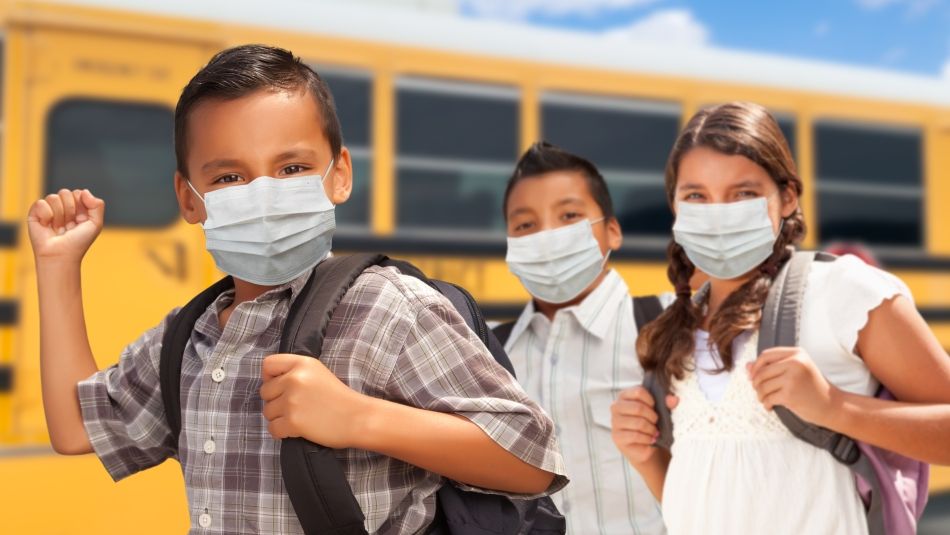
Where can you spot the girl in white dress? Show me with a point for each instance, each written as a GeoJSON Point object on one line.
{"type": "Point", "coordinates": [735, 469]}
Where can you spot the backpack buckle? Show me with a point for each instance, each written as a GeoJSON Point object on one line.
{"type": "Point", "coordinates": [845, 450]}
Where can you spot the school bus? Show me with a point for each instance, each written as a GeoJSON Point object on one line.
{"type": "Point", "coordinates": [435, 110]}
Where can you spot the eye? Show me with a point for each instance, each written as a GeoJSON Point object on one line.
{"type": "Point", "coordinates": [227, 179]}
{"type": "Point", "coordinates": [294, 169]}
{"type": "Point", "coordinates": [747, 194]}
{"type": "Point", "coordinates": [522, 227]}
{"type": "Point", "coordinates": [694, 197]}
{"type": "Point", "coordinates": [568, 216]}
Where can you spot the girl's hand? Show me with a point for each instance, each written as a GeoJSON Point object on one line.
{"type": "Point", "coordinates": [64, 225]}
{"type": "Point", "coordinates": [633, 423]}
{"type": "Point", "coordinates": [787, 376]}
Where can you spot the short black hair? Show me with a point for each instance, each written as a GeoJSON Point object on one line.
{"type": "Point", "coordinates": [239, 71]}
{"type": "Point", "coordinates": [544, 157]}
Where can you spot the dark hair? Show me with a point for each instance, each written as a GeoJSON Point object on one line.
{"type": "Point", "coordinates": [239, 71]}
{"type": "Point", "coordinates": [736, 128]}
{"type": "Point", "coordinates": [543, 157]}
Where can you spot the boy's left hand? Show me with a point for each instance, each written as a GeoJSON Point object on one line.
{"type": "Point", "coordinates": [302, 398]}
{"type": "Point", "coordinates": [787, 376]}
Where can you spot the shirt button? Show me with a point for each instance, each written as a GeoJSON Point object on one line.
{"type": "Point", "coordinates": [204, 520]}
{"type": "Point", "coordinates": [209, 446]}
{"type": "Point", "coordinates": [217, 375]}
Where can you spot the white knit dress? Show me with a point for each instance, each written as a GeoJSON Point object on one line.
{"type": "Point", "coordinates": [735, 468]}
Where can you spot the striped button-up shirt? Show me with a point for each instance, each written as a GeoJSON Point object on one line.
{"type": "Point", "coordinates": [391, 337]}
{"type": "Point", "coordinates": [575, 366]}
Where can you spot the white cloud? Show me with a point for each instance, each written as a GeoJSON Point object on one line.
{"type": "Point", "coordinates": [946, 70]}
{"type": "Point", "coordinates": [894, 55]}
{"type": "Point", "coordinates": [914, 8]}
{"type": "Point", "coordinates": [873, 5]}
{"type": "Point", "coordinates": [519, 9]}
{"type": "Point", "coordinates": [822, 28]}
{"type": "Point", "coordinates": [676, 27]}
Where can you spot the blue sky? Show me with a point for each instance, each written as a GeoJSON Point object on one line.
{"type": "Point", "coordinates": [903, 35]}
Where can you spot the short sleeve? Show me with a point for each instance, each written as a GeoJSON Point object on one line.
{"type": "Point", "coordinates": [443, 367]}
{"type": "Point", "coordinates": [851, 290]}
{"type": "Point", "coordinates": [122, 409]}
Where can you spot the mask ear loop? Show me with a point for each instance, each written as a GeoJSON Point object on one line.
{"type": "Point", "coordinates": [193, 190]}
{"type": "Point", "coordinates": [323, 178]}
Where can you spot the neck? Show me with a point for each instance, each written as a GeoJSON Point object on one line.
{"type": "Point", "coordinates": [719, 290]}
{"type": "Point", "coordinates": [248, 291]}
{"type": "Point", "coordinates": [550, 309]}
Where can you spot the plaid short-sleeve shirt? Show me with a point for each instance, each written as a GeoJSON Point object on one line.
{"type": "Point", "coordinates": [391, 337]}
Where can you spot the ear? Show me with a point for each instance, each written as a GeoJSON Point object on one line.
{"type": "Point", "coordinates": [340, 184]}
{"type": "Point", "coordinates": [789, 201]}
{"type": "Point", "coordinates": [614, 234]}
{"type": "Point", "coordinates": [191, 207]}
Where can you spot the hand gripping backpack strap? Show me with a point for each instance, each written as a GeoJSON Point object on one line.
{"type": "Point", "coordinates": [177, 333]}
{"type": "Point", "coordinates": [780, 326]}
{"type": "Point", "coordinates": [313, 476]}
{"type": "Point", "coordinates": [646, 309]}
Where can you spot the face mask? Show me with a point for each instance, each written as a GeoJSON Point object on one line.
{"type": "Point", "coordinates": [725, 240]}
{"type": "Point", "coordinates": [271, 230]}
{"type": "Point", "coordinates": [556, 265]}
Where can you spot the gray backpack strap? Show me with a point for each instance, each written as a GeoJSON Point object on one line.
{"type": "Point", "coordinates": [780, 325]}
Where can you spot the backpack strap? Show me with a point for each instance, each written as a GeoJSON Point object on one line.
{"type": "Point", "coordinates": [313, 476]}
{"type": "Point", "coordinates": [780, 326]}
{"type": "Point", "coordinates": [646, 308]}
{"type": "Point", "coordinates": [503, 331]}
{"type": "Point", "coordinates": [177, 333]}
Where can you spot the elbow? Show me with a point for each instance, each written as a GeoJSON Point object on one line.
{"type": "Point", "coordinates": [537, 482]}
{"type": "Point", "coordinates": [70, 446]}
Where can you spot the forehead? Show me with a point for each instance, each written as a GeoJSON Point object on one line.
{"type": "Point", "coordinates": [547, 189]}
{"type": "Point", "coordinates": [265, 120]}
{"type": "Point", "coordinates": [710, 169]}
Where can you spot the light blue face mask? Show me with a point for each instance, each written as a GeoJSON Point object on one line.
{"type": "Point", "coordinates": [725, 240]}
{"type": "Point", "coordinates": [271, 230]}
{"type": "Point", "coordinates": [557, 265]}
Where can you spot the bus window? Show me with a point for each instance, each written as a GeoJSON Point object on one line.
{"type": "Point", "coordinates": [869, 184]}
{"type": "Point", "coordinates": [456, 146]}
{"type": "Point", "coordinates": [120, 151]}
{"type": "Point", "coordinates": [629, 141]}
{"type": "Point", "coordinates": [787, 125]}
{"type": "Point", "coordinates": [352, 92]}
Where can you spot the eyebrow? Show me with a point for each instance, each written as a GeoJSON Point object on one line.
{"type": "Point", "coordinates": [689, 187]}
{"type": "Point", "coordinates": [746, 184]}
{"type": "Point", "coordinates": [569, 200]}
{"type": "Point", "coordinates": [293, 154]}
{"type": "Point", "coordinates": [220, 164]}
{"type": "Point", "coordinates": [519, 211]}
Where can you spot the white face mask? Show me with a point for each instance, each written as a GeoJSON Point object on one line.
{"type": "Point", "coordinates": [725, 240]}
{"type": "Point", "coordinates": [271, 230]}
{"type": "Point", "coordinates": [556, 265]}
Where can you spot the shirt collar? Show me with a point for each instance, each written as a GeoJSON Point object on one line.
{"type": "Point", "coordinates": [593, 314]}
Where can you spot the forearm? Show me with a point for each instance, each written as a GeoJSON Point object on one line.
{"type": "Point", "coordinates": [65, 355]}
{"type": "Point", "coordinates": [916, 430]}
{"type": "Point", "coordinates": [449, 445]}
{"type": "Point", "coordinates": [653, 472]}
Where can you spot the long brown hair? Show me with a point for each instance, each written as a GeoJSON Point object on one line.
{"type": "Point", "coordinates": [736, 128]}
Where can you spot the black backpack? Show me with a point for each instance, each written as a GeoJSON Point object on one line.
{"type": "Point", "coordinates": [314, 479]}
{"type": "Point", "coordinates": [645, 309]}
